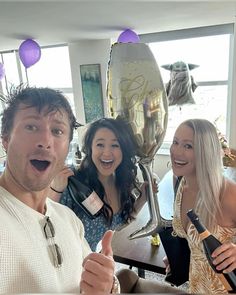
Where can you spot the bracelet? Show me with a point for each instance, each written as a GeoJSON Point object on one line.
{"type": "Point", "coordinates": [53, 189]}
{"type": "Point", "coordinates": [116, 286]}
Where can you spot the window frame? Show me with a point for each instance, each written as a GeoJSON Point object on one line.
{"type": "Point", "coordinates": [196, 33]}
{"type": "Point", "coordinates": [23, 80]}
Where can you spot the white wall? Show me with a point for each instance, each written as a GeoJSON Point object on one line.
{"type": "Point", "coordinates": [88, 52]}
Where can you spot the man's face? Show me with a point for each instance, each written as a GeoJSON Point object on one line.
{"type": "Point", "coordinates": [36, 147]}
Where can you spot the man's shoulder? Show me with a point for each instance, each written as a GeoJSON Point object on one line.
{"type": "Point", "coordinates": [61, 209]}
{"type": "Point", "coordinates": [66, 214]}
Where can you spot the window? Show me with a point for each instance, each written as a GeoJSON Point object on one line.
{"type": "Point", "coordinates": [52, 70]}
{"type": "Point", "coordinates": [209, 48]}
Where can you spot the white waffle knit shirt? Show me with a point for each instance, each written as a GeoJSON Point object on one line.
{"type": "Point", "coordinates": [26, 261]}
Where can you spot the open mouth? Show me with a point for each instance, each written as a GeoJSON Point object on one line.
{"type": "Point", "coordinates": [180, 163]}
{"type": "Point", "coordinates": [40, 165]}
{"type": "Point", "coordinates": [107, 163]}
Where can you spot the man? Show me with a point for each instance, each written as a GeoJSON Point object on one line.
{"type": "Point", "coordinates": [42, 245]}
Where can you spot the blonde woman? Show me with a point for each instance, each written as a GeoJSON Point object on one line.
{"type": "Point", "coordinates": [196, 155]}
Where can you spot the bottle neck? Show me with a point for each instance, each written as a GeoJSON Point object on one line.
{"type": "Point", "coordinates": [203, 232]}
{"type": "Point", "coordinates": [200, 227]}
{"type": "Point", "coordinates": [203, 235]}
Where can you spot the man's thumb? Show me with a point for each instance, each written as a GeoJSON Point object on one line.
{"type": "Point", "coordinates": [106, 243]}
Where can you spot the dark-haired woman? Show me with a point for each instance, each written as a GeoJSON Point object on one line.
{"type": "Point", "coordinates": [108, 168]}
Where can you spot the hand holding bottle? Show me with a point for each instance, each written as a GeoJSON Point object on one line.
{"type": "Point", "coordinates": [225, 257]}
{"type": "Point", "coordinates": [60, 182]}
{"type": "Point", "coordinates": [212, 245]}
{"type": "Point", "coordinates": [85, 197]}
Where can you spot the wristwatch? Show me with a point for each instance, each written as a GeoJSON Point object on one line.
{"type": "Point", "coordinates": [116, 286]}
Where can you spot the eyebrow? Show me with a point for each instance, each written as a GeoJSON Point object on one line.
{"type": "Point", "coordinates": [103, 139]}
{"type": "Point", "coordinates": [38, 118]}
{"type": "Point", "coordinates": [35, 117]}
{"type": "Point", "coordinates": [184, 140]}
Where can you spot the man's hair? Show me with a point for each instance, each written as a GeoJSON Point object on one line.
{"type": "Point", "coordinates": [39, 98]}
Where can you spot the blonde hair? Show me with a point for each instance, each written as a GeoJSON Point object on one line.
{"type": "Point", "coordinates": [209, 170]}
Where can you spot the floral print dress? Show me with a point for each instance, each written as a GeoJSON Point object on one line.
{"type": "Point", "coordinates": [94, 228]}
{"type": "Point", "coordinates": [202, 279]}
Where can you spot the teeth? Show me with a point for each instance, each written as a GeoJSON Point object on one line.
{"type": "Point", "coordinates": [180, 162]}
{"type": "Point", "coordinates": [106, 161]}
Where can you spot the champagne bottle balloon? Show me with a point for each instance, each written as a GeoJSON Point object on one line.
{"type": "Point", "coordinates": [210, 243]}
{"type": "Point", "coordinates": [87, 199]}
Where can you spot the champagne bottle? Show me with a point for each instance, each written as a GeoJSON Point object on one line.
{"type": "Point", "coordinates": [210, 243]}
{"type": "Point", "coordinates": [87, 199]}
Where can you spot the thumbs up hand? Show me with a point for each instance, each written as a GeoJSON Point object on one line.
{"type": "Point", "coordinates": [106, 243]}
{"type": "Point", "coordinates": [98, 273]}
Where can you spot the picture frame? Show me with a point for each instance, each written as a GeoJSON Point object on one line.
{"type": "Point", "coordinates": [92, 91]}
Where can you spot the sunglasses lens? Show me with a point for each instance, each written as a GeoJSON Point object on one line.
{"type": "Point", "coordinates": [51, 228]}
{"type": "Point", "coordinates": [50, 233]}
{"type": "Point", "coordinates": [59, 255]}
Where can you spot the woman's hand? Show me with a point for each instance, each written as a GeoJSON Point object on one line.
{"type": "Point", "coordinates": [144, 186]}
{"type": "Point", "coordinates": [225, 257]}
{"type": "Point", "coordinates": [166, 262]}
{"type": "Point", "coordinates": [139, 203]}
{"type": "Point", "coordinates": [154, 186]}
{"type": "Point", "coordinates": [60, 181]}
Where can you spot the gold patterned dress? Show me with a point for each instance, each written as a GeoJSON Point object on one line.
{"type": "Point", "coordinates": [202, 279]}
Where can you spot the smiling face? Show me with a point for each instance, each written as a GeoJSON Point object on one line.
{"type": "Point", "coordinates": [182, 152]}
{"type": "Point", "coordinates": [106, 152]}
{"type": "Point", "coordinates": [36, 148]}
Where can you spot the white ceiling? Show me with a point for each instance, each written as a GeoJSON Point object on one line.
{"type": "Point", "coordinates": [56, 22]}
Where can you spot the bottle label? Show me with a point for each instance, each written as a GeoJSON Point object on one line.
{"type": "Point", "coordinates": [204, 235]}
{"type": "Point", "coordinates": [93, 203]}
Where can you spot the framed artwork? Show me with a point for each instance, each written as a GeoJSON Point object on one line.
{"type": "Point", "coordinates": [92, 91]}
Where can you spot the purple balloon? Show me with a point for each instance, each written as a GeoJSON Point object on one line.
{"type": "Point", "coordinates": [29, 52]}
{"type": "Point", "coordinates": [2, 71]}
{"type": "Point", "coordinates": [128, 36]}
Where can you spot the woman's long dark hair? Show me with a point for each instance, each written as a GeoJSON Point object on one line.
{"type": "Point", "coordinates": [126, 172]}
